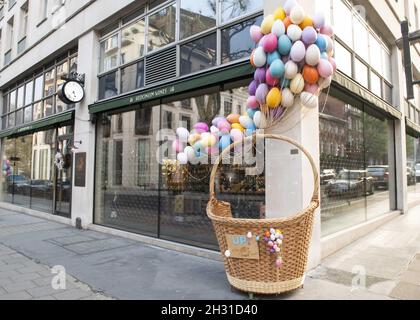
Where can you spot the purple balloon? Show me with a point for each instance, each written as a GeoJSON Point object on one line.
{"type": "Point", "coordinates": [261, 93]}
{"type": "Point", "coordinates": [298, 51]}
{"type": "Point", "coordinates": [252, 88]}
{"type": "Point", "coordinates": [259, 75]}
{"type": "Point", "coordinates": [309, 35]}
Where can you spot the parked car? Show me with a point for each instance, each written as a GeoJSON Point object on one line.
{"type": "Point", "coordinates": [411, 176]}
{"type": "Point", "coordinates": [351, 183]}
{"type": "Point", "coordinates": [327, 175]}
{"type": "Point", "coordinates": [417, 167]}
{"type": "Point", "coordinates": [380, 176]}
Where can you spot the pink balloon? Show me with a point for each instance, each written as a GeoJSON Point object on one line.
{"type": "Point", "coordinates": [252, 103]}
{"type": "Point", "coordinates": [325, 69]}
{"type": "Point", "coordinates": [177, 146]}
{"type": "Point", "coordinates": [270, 80]}
{"type": "Point", "coordinates": [333, 63]}
{"type": "Point", "coordinates": [224, 126]}
{"type": "Point", "coordinates": [270, 43]}
{"type": "Point", "coordinates": [256, 34]}
{"type": "Point", "coordinates": [311, 88]}
{"type": "Point", "coordinates": [201, 127]}
{"type": "Point", "coordinates": [327, 30]}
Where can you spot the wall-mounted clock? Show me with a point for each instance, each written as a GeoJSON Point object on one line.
{"type": "Point", "coordinates": [71, 92]}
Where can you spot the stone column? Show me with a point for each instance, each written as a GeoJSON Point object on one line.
{"type": "Point", "coordinates": [84, 130]}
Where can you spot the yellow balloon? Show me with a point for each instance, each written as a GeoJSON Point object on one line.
{"type": "Point", "coordinates": [238, 126]}
{"type": "Point", "coordinates": [307, 22]}
{"type": "Point", "coordinates": [273, 98]}
{"type": "Point", "coordinates": [267, 24]}
{"type": "Point", "coordinates": [279, 14]}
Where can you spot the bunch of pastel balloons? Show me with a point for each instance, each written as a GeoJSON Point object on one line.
{"type": "Point", "coordinates": [293, 60]}
{"type": "Point", "coordinates": [7, 169]}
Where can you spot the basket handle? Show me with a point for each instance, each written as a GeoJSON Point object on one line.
{"type": "Point", "coordinates": [315, 196]}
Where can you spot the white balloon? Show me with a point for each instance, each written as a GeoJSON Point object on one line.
{"type": "Point", "coordinates": [288, 6]}
{"type": "Point", "coordinates": [189, 151]}
{"type": "Point", "coordinates": [182, 158]}
{"type": "Point", "coordinates": [182, 134]}
{"type": "Point", "coordinates": [324, 83]}
{"type": "Point", "coordinates": [330, 45]}
{"type": "Point", "coordinates": [278, 28]}
{"type": "Point", "coordinates": [291, 70]}
{"type": "Point", "coordinates": [288, 98]}
{"type": "Point", "coordinates": [297, 14]}
{"type": "Point", "coordinates": [313, 55]}
{"type": "Point", "coordinates": [260, 57]}
{"type": "Point", "coordinates": [309, 100]}
{"type": "Point", "coordinates": [294, 32]}
{"type": "Point", "coordinates": [246, 122]}
{"type": "Point", "coordinates": [260, 120]}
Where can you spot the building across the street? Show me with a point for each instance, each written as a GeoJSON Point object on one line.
{"type": "Point", "coordinates": [152, 66]}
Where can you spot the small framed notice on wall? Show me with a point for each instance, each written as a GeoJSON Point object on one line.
{"type": "Point", "coordinates": [80, 169]}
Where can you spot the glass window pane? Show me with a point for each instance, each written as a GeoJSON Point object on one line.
{"type": "Point", "coordinates": [386, 65]}
{"type": "Point", "coordinates": [20, 97]}
{"type": "Point", "coordinates": [132, 42]}
{"type": "Point", "coordinates": [39, 84]}
{"type": "Point", "coordinates": [49, 106]}
{"type": "Point", "coordinates": [162, 28]}
{"type": "Point", "coordinates": [132, 77]}
{"type": "Point", "coordinates": [60, 106]}
{"type": "Point", "coordinates": [19, 117]}
{"type": "Point", "coordinates": [236, 43]}
{"type": "Point", "coordinates": [5, 103]}
{"type": "Point", "coordinates": [232, 9]}
{"type": "Point", "coordinates": [375, 53]}
{"type": "Point", "coordinates": [28, 114]}
{"type": "Point", "coordinates": [62, 71]}
{"type": "Point", "coordinates": [361, 46]}
{"type": "Point", "coordinates": [22, 175]}
{"type": "Point", "coordinates": [73, 64]}
{"type": "Point", "coordinates": [343, 22]}
{"type": "Point", "coordinates": [343, 58]}
{"type": "Point", "coordinates": [197, 16]}
{"type": "Point", "coordinates": [361, 73]}
{"type": "Point", "coordinates": [49, 84]}
{"type": "Point", "coordinates": [38, 110]}
{"type": "Point", "coordinates": [12, 119]}
{"type": "Point", "coordinates": [388, 93]}
{"type": "Point", "coordinates": [109, 54]}
{"type": "Point", "coordinates": [108, 86]}
{"type": "Point", "coordinates": [375, 84]}
{"type": "Point", "coordinates": [29, 88]}
{"type": "Point", "coordinates": [199, 54]}
{"type": "Point", "coordinates": [12, 100]}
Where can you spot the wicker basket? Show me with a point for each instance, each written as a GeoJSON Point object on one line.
{"type": "Point", "coordinates": [263, 276]}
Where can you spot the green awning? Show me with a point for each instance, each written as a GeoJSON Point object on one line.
{"type": "Point", "coordinates": [207, 79]}
{"type": "Point", "coordinates": [353, 87]}
{"type": "Point", "coordinates": [39, 124]}
{"type": "Point", "coordinates": [412, 128]}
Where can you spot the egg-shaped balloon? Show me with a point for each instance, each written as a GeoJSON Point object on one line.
{"type": "Point", "coordinates": [260, 57]}
{"type": "Point", "coordinates": [273, 56]}
{"type": "Point", "coordinates": [236, 135]}
{"type": "Point", "coordinates": [289, 5]}
{"type": "Point", "coordinates": [294, 32]}
{"type": "Point", "coordinates": [309, 100]}
{"type": "Point", "coordinates": [177, 146]}
{"type": "Point", "coordinates": [246, 122]}
{"type": "Point", "coordinates": [297, 14]}
{"type": "Point", "coordinates": [261, 93]}
{"type": "Point", "coordinates": [252, 88]}
{"type": "Point", "coordinates": [330, 45]}
{"type": "Point", "coordinates": [233, 118]}
{"type": "Point", "coordinates": [279, 14]}
{"type": "Point", "coordinates": [287, 23]}
{"type": "Point", "coordinates": [237, 126]}
{"type": "Point", "coordinates": [311, 88]}
{"type": "Point", "coordinates": [321, 43]}
{"type": "Point", "coordinates": [208, 140]}
{"type": "Point", "coordinates": [259, 75]}
{"type": "Point", "coordinates": [297, 84]}
{"type": "Point", "coordinates": [182, 134]}
{"type": "Point", "coordinates": [216, 120]}
{"type": "Point", "coordinates": [251, 113]}
{"type": "Point", "coordinates": [225, 141]}
{"type": "Point", "coordinates": [277, 69]}
{"type": "Point", "coordinates": [252, 102]}
{"type": "Point", "coordinates": [333, 63]}
{"type": "Point", "coordinates": [224, 127]}
{"type": "Point", "coordinates": [307, 22]}
{"type": "Point", "coordinates": [270, 80]}
{"type": "Point", "coordinates": [287, 98]}
{"type": "Point", "coordinates": [290, 69]}
{"type": "Point", "coordinates": [256, 34]}
{"type": "Point", "coordinates": [260, 120]}
{"type": "Point", "coordinates": [324, 83]}
{"type": "Point", "coordinates": [319, 20]}
{"type": "Point", "coordinates": [309, 35]}
{"type": "Point", "coordinates": [324, 55]}
{"type": "Point", "coordinates": [274, 98]}
{"type": "Point", "coordinates": [278, 28]}
{"type": "Point", "coordinates": [201, 127]}
{"type": "Point", "coordinates": [193, 138]}
{"type": "Point", "coordinates": [190, 152]}
{"type": "Point", "coordinates": [313, 55]}
{"type": "Point", "coordinates": [325, 69]}
{"type": "Point", "coordinates": [310, 74]}
{"type": "Point", "coordinates": [182, 158]}
{"type": "Point", "coordinates": [267, 24]}
{"type": "Point", "coordinates": [270, 43]}
{"type": "Point", "coordinates": [284, 45]}
{"type": "Point", "coordinates": [214, 130]}
{"type": "Point", "coordinates": [327, 30]}
{"type": "Point", "coordinates": [298, 51]}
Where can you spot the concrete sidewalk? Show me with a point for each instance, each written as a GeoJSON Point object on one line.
{"type": "Point", "coordinates": [101, 266]}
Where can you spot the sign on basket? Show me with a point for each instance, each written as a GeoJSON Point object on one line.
{"type": "Point", "coordinates": [242, 247]}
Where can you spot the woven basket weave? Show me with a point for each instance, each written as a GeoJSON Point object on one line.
{"type": "Point", "coordinates": [262, 276]}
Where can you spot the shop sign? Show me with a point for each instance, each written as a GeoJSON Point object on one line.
{"type": "Point", "coordinates": [242, 247]}
{"type": "Point", "coordinates": [161, 92]}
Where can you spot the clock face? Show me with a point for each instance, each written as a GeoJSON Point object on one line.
{"type": "Point", "coordinates": [73, 91]}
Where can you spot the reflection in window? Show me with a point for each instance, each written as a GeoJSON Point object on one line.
{"type": "Point", "coordinates": [28, 114]}
{"type": "Point", "coordinates": [361, 45]}
{"type": "Point", "coordinates": [232, 9]}
{"type": "Point", "coordinates": [375, 53]}
{"type": "Point", "coordinates": [375, 84]}
{"type": "Point", "coordinates": [62, 70]}
{"type": "Point", "coordinates": [197, 16]}
{"type": "Point", "coordinates": [162, 28]}
{"type": "Point", "coordinates": [118, 162]}
{"type": "Point", "coordinates": [143, 151]}
{"type": "Point", "coordinates": [20, 97]}
{"type": "Point", "coordinates": [29, 88]}
{"type": "Point", "coordinates": [109, 54]}
{"type": "Point", "coordinates": [38, 110]}
{"type": "Point", "coordinates": [49, 84]}
{"type": "Point", "coordinates": [132, 77]}
{"type": "Point", "coordinates": [49, 106]}
{"type": "Point", "coordinates": [361, 73]}
{"type": "Point", "coordinates": [343, 22]}
{"type": "Point", "coordinates": [343, 58]}
{"type": "Point", "coordinates": [132, 42]}
{"type": "Point", "coordinates": [199, 54]}
{"type": "Point", "coordinates": [108, 86]}
{"type": "Point", "coordinates": [39, 83]}
{"type": "Point", "coordinates": [12, 100]}
{"type": "Point", "coordinates": [236, 43]}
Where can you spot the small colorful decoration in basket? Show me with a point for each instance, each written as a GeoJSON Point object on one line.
{"type": "Point", "coordinates": [274, 240]}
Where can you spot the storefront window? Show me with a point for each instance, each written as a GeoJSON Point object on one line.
{"type": "Point", "coordinates": [354, 165]}
{"type": "Point", "coordinates": [162, 28]}
{"type": "Point", "coordinates": [231, 9]}
{"type": "Point", "coordinates": [197, 16]}
{"type": "Point", "coordinates": [413, 167]}
{"type": "Point", "coordinates": [199, 54]}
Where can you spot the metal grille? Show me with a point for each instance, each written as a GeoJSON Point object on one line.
{"type": "Point", "coordinates": [161, 66]}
